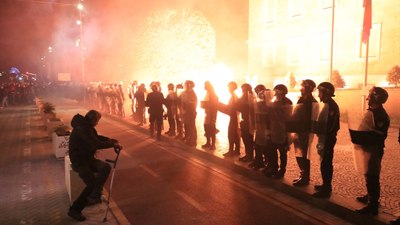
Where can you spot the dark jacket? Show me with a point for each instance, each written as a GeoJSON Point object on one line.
{"type": "Point", "coordinates": [84, 141]}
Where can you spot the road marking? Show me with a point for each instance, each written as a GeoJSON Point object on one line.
{"type": "Point", "coordinates": [271, 199]}
{"type": "Point", "coordinates": [26, 191]}
{"type": "Point", "coordinates": [26, 168]}
{"type": "Point", "coordinates": [27, 152]}
{"type": "Point", "coordinates": [150, 171]}
{"type": "Point", "coordinates": [28, 133]}
{"type": "Point", "coordinates": [191, 201]}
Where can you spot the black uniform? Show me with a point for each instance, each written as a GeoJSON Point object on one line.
{"type": "Point", "coordinates": [332, 127]}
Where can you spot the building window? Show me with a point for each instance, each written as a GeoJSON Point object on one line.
{"type": "Point", "coordinates": [268, 54]}
{"type": "Point", "coordinates": [294, 50]}
{"type": "Point", "coordinates": [325, 46]}
{"type": "Point", "coordinates": [269, 11]}
{"type": "Point", "coordinates": [295, 8]}
{"type": "Point", "coordinates": [374, 42]}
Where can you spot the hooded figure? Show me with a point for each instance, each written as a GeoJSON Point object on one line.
{"type": "Point", "coordinates": [83, 144]}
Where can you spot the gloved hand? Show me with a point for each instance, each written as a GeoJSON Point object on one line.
{"type": "Point", "coordinates": [117, 147]}
{"type": "Point", "coordinates": [114, 140]}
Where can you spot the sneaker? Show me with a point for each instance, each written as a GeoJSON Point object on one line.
{"type": "Point", "coordinates": [76, 215]}
{"type": "Point", "coordinates": [363, 199]}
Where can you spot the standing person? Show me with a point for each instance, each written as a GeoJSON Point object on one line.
{"type": "Point", "coordinates": [178, 112]}
{"type": "Point", "coordinates": [155, 101]}
{"type": "Point", "coordinates": [170, 104]}
{"type": "Point", "coordinates": [140, 98]}
{"type": "Point", "coordinates": [245, 106]}
{"type": "Point", "coordinates": [377, 121]}
{"type": "Point", "coordinates": [131, 94]}
{"type": "Point", "coordinates": [396, 221]}
{"type": "Point", "coordinates": [233, 127]}
{"type": "Point", "coordinates": [189, 104]}
{"type": "Point", "coordinates": [279, 114]}
{"type": "Point", "coordinates": [210, 106]}
{"type": "Point", "coordinates": [83, 144]}
{"type": "Point", "coordinates": [305, 111]}
{"type": "Point", "coordinates": [262, 134]}
{"type": "Point", "coordinates": [326, 129]}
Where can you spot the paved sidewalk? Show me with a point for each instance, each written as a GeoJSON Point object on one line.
{"type": "Point", "coordinates": [32, 183]}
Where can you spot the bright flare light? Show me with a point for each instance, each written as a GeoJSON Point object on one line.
{"type": "Point", "coordinates": [174, 46]}
{"type": "Point", "coordinates": [80, 6]}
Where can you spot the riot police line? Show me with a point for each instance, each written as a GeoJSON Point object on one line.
{"type": "Point", "coordinates": [267, 122]}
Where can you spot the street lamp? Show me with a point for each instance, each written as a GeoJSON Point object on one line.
{"type": "Point", "coordinates": [81, 46]}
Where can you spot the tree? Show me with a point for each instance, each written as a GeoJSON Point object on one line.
{"type": "Point", "coordinates": [393, 76]}
{"type": "Point", "coordinates": [291, 80]}
{"type": "Point", "coordinates": [337, 79]}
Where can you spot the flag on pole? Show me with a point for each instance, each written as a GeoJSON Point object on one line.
{"type": "Point", "coordinates": [367, 24]}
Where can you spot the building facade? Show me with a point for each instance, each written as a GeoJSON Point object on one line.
{"type": "Point", "coordinates": [295, 37]}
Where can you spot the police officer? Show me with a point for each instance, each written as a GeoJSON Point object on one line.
{"type": "Point", "coordinates": [262, 129]}
{"type": "Point", "coordinates": [189, 105]}
{"type": "Point", "coordinates": [281, 108]}
{"type": "Point", "coordinates": [155, 101]}
{"type": "Point", "coordinates": [245, 106]}
{"type": "Point", "coordinates": [233, 127]}
{"type": "Point", "coordinates": [326, 130]}
{"type": "Point", "coordinates": [396, 221]}
{"type": "Point", "coordinates": [210, 106]}
{"type": "Point", "coordinates": [376, 98]}
{"type": "Point", "coordinates": [304, 117]}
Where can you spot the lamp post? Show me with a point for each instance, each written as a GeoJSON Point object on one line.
{"type": "Point", "coordinates": [81, 45]}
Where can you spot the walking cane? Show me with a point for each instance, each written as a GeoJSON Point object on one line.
{"type": "Point", "coordinates": [114, 162]}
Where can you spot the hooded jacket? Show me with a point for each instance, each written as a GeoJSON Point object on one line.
{"type": "Point", "coordinates": [84, 141]}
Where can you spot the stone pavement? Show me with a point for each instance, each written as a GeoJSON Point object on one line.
{"type": "Point", "coordinates": [32, 183]}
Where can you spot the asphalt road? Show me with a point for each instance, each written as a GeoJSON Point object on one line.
{"type": "Point", "coordinates": [166, 183]}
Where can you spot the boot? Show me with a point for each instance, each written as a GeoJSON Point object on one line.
{"type": "Point", "coordinates": [370, 209]}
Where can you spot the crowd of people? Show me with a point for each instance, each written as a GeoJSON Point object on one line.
{"type": "Point", "coordinates": [16, 93]}
{"type": "Point", "coordinates": [266, 121]}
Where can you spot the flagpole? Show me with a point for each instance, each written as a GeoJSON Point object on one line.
{"type": "Point", "coordinates": [365, 83]}
{"type": "Point", "coordinates": [366, 63]}
{"type": "Point", "coordinates": [332, 35]}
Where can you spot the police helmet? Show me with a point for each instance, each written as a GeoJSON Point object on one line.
{"type": "Point", "coordinates": [246, 87]}
{"type": "Point", "coordinates": [309, 85]}
{"type": "Point", "coordinates": [259, 88]}
{"type": "Point", "coordinates": [171, 86]}
{"type": "Point", "coordinates": [282, 88]}
{"type": "Point", "coordinates": [233, 85]}
{"type": "Point", "coordinates": [327, 88]}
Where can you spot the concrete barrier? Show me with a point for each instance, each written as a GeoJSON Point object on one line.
{"type": "Point", "coordinates": [73, 182]}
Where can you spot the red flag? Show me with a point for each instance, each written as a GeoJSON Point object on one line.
{"type": "Point", "coordinates": [367, 24]}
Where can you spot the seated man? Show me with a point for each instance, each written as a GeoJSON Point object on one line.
{"type": "Point", "coordinates": [83, 144]}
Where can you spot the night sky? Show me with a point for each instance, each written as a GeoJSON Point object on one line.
{"type": "Point", "coordinates": [29, 27]}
